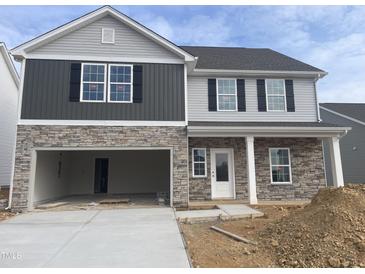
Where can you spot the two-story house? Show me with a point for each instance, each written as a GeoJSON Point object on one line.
{"type": "Point", "coordinates": [109, 106]}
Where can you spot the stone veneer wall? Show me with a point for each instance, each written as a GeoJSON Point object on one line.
{"type": "Point", "coordinates": [307, 168]}
{"type": "Point", "coordinates": [200, 188]}
{"type": "Point", "coordinates": [30, 137]}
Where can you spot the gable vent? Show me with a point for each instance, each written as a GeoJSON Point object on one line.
{"type": "Point", "coordinates": [107, 36]}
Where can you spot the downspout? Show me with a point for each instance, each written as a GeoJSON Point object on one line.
{"type": "Point", "coordinates": [316, 97]}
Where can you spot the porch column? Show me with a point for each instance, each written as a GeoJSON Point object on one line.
{"type": "Point", "coordinates": [251, 172]}
{"type": "Point", "coordinates": [336, 164]}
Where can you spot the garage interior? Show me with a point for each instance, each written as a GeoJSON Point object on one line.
{"type": "Point", "coordinates": [87, 177]}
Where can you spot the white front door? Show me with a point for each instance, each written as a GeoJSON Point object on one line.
{"type": "Point", "coordinates": [222, 173]}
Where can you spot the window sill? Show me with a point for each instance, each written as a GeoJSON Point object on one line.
{"type": "Point", "coordinates": [281, 183]}
{"type": "Point", "coordinates": [92, 101]}
{"type": "Point", "coordinates": [120, 102]}
{"type": "Point", "coordinates": [199, 177]}
{"type": "Point", "coordinates": [228, 110]}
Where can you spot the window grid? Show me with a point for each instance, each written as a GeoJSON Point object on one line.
{"type": "Point", "coordinates": [227, 94]}
{"type": "Point", "coordinates": [90, 78]}
{"type": "Point", "coordinates": [280, 169]}
{"type": "Point", "coordinates": [275, 95]}
{"type": "Point", "coordinates": [120, 81]}
{"type": "Point", "coordinates": [201, 170]}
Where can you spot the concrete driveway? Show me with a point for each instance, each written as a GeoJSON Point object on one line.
{"type": "Point", "coordinates": [145, 237]}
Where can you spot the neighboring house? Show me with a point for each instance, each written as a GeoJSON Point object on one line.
{"type": "Point", "coordinates": [109, 106]}
{"type": "Point", "coordinates": [352, 145]}
{"type": "Point", "coordinates": [9, 81]}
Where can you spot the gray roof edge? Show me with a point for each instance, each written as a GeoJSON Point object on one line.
{"type": "Point", "coordinates": [341, 114]}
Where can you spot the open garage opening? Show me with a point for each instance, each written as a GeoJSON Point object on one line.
{"type": "Point", "coordinates": [101, 177]}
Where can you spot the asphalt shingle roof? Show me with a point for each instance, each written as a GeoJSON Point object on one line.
{"type": "Point", "coordinates": [356, 111]}
{"type": "Point", "coordinates": [246, 59]}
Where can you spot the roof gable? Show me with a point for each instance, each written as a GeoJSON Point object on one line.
{"type": "Point", "coordinates": [87, 42]}
{"type": "Point", "coordinates": [21, 51]}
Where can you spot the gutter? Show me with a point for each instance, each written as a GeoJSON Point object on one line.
{"type": "Point", "coordinates": [219, 131]}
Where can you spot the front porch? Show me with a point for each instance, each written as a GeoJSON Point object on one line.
{"type": "Point", "coordinates": [253, 164]}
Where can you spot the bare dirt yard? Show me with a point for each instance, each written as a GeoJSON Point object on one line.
{"type": "Point", "coordinates": [328, 232]}
{"type": "Point", "coordinates": [6, 215]}
{"type": "Point", "coordinates": [4, 194]}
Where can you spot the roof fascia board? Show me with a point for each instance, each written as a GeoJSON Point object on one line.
{"type": "Point", "coordinates": [91, 17]}
{"type": "Point", "coordinates": [102, 58]}
{"type": "Point", "coordinates": [201, 131]}
{"type": "Point", "coordinates": [342, 115]}
{"type": "Point", "coordinates": [223, 72]}
{"type": "Point", "coordinates": [10, 64]}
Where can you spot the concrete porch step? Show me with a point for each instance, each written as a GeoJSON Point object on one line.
{"type": "Point", "coordinates": [223, 212]}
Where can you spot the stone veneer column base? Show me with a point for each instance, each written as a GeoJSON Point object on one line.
{"type": "Point", "coordinates": [29, 138]}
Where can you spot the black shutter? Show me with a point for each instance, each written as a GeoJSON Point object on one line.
{"type": "Point", "coordinates": [137, 84]}
{"type": "Point", "coordinates": [241, 97]}
{"type": "Point", "coordinates": [261, 94]}
{"type": "Point", "coordinates": [289, 89]}
{"type": "Point", "coordinates": [75, 81]}
{"type": "Point", "coordinates": [212, 94]}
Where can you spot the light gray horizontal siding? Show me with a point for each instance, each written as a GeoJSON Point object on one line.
{"type": "Point", "coordinates": [305, 104]}
{"type": "Point", "coordinates": [87, 42]}
{"type": "Point", "coordinates": [46, 95]}
{"type": "Point", "coordinates": [8, 120]}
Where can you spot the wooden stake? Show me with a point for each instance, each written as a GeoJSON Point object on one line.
{"type": "Point", "coordinates": [233, 236]}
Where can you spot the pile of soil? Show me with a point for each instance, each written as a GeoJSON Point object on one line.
{"type": "Point", "coordinates": [328, 232]}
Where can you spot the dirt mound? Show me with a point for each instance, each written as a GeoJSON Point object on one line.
{"type": "Point", "coordinates": [329, 232]}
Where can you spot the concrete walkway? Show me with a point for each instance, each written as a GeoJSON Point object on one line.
{"type": "Point", "coordinates": [224, 212]}
{"type": "Point", "coordinates": [146, 237]}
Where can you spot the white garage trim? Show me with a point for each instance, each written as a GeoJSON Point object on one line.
{"type": "Point", "coordinates": [36, 149]}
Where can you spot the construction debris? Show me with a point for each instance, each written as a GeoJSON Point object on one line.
{"type": "Point", "coordinates": [114, 201]}
{"type": "Point", "coordinates": [329, 232]}
{"type": "Point", "coordinates": [233, 236]}
{"type": "Point", "coordinates": [51, 205]}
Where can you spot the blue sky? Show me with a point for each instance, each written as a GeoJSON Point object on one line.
{"type": "Point", "coordinates": [329, 37]}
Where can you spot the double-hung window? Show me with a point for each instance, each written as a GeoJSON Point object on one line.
{"type": "Point", "coordinates": [120, 83]}
{"type": "Point", "coordinates": [275, 95]}
{"type": "Point", "coordinates": [93, 82]}
{"type": "Point", "coordinates": [227, 94]}
{"type": "Point", "coordinates": [280, 165]}
{"type": "Point", "coordinates": [199, 162]}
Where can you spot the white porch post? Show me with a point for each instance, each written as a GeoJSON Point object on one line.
{"type": "Point", "coordinates": [336, 164]}
{"type": "Point", "coordinates": [251, 172]}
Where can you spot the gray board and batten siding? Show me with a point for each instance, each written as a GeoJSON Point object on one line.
{"type": "Point", "coordinates": [47, 87]}
{"type": "Point", "coordinates": [352, 149]}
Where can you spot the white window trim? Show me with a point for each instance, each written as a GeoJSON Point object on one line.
{"type": "Point", "coordinates": [267, 100]}
{"type": "Point", "coordinates": [205, 162]}
{"type": "Point", "coordinates": [82, 83]}
{"type": "Point", "coordinates": [289, 165]}
{"type": "Point", "coordinates": [131, 83]}
{"type": "Point", "coordinates": [217, 95]}
{"type": "Point", "coordinates": [102, 36]}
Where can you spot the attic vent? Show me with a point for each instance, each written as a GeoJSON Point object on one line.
{"type": "Point", "coordinates": [107, 35]}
